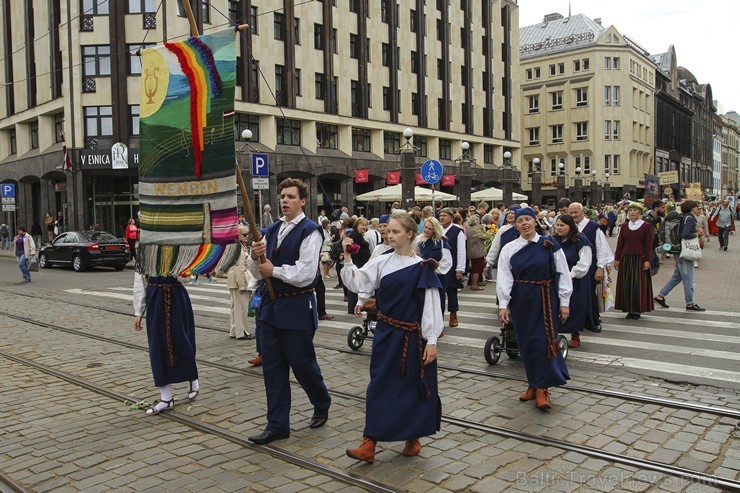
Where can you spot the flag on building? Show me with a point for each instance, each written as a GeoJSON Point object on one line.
{"type": "Point", "coordinates": [66, 159]}
{"type": "Point", "coordinates": [393, 177]}
{"type": "Point", "coordinates": [448, 180]}
{"type": "Point", "coordinates": [361, 176]}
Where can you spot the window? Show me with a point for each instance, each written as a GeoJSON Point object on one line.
{"type": "Point", "coordinates": [423, 146]}
{"type": "Point", "coordinates": [34, 135]}
{"type": "Point", "coordinates": [536, 72]}
{"type": "Point", "coordinates": [615, 63]}
{"type": "Point", "coordinates": [615, 96]}
{"type": "Point", "coordinates": [253, 17]}
{"type": "Point", "coordinates": [288, 132]}
{"type": "Point", "coordinates": [414, 63]}
{"type": "Point", "coordinates": [206, 9]}
{"type": "Point", "coordinates": [318, 36]}
{"type": "Point", "coordinates": [607, 63]}
{"type": "Point", "coordinates": [279, 84]}
{"type": "Point", "coordinates": [412, 20]}
{"type": "Point", "coordinates": [445, 149]}
{"type": "Point", "coordinates": [13, 141]}
{"type": "Point", "coordinates": [533, 73]}
{"type": "Point", "coordinates": [530, 74]}
{"type": "Point", "coordinates": [334, 41]}
{"type": "Point", "coordinates": [318, 83]}
{"type": "Point", "coordinates": [98, 121]}
{"type": "Point", "coordinates": [488, 153]}
{"type": "Point", "coordinates": [557, 134]}
{"type": "Point", "coordinates": [585, 64]}
{"type": "Point", "coordinates": [327, 136]}
{"type": "Point", "coordinates": [391, 142]}
{"type": "Point", "coordinates": [607, 95]}
{"type": "Point", "coordinates": [561, 68]}
{"type": "Point", "coordinates": [615, 128]}
{"type": "Point", "coordinates": [463, 76]}
{"type": "Point", "coordinates": [414, 103]}
{"type": "Point", "coordinates": [607, 164]}
{"type": "Point", "coordinates": [133, 112]}
{"type": "Point", "coordinates": [361, 139]}
{"type": "Point", "coordinates": [244, 121]}
{"type": "Point", "coordinates": [384, 11]}
{"type": "Point", "coordinates": [576, 65]}
{"type": "Point", "coordinates": [440, 69]}
{"type": "Point", "coordinates": [615, 164]}
{"type": "Point", "coordinates": [586, 165]}
{"type": "Point", "coordinates": [582, 97]}
{"type": "Point", "coordinates": [297, 87]}
{"type": "Point", "coordinates": [534, 104]}
{"type": "Point", "coordinates": [581, 130]}
{"type": "Point", "coordinates": [100, 7]}
{"type": "Point", "coordinates": [141, 6]}
{"type": "Point", "coordinates": [353, 48]}
{"type": "Point", "coordinates": [557, 100]}
{"type": "Point", "coordinates": [297, 30]}
{"type": "Point", "coordinates": [607, 129]}
{"type": "Point", "coordinates": [279, 26]}
{"type": "Point", "coordinates": [134, 62]}
{"type": "Point", "coordinates": [58, 127]}
{"type": "Point", "coordinates": [552, 70]}
{"type": "Point", "coordinates": [534, 136]}
{"type": "Point", "coordinates": [384, 51]}
{"type": "Point", "coordinates": [96, 60]}
{"type": "Point", "coordinates": [386, 98]}
{"type": "Point", "coordinates": [254, 77]}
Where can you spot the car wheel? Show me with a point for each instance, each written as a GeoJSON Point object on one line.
{"type": "Point", "coordinates": [44, 262]}
{"type": "Point", "coordinates": [119, 266]}
{"type": "Point", "coordinates": [78, 264]}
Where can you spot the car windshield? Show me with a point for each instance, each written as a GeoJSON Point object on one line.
{"type": "Point", "coordinates": [99, 236]}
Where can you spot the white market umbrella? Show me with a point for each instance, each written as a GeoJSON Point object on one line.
{"type": "Point", "coordinates": [496, 194]}
{"type": "Point", "coordinates": [394, 192]}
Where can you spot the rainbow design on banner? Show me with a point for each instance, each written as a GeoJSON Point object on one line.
{"type": "Point", "coordinates": [196, 62]}
{"type": "Point", "coordinates": [205, 261]}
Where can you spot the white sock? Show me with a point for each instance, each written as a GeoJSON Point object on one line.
{"type": "Point", "coordinates": [165, 394]}
{"type": "Point", "coordinates": [194, 388]}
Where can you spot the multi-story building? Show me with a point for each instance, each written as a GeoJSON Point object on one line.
{"type": "Point", "coordinates": [730, 153]}
{"type": "Point", "coordinates": [327, 87]}
{"type": "Point", "coordinates": [588, 108]}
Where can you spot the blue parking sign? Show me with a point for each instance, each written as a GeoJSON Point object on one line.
{"type": "Point", "coordinates": [7, 190]}
{"type": "Point", "coordinates": [260, 165]}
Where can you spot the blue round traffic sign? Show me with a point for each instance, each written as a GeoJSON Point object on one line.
{"type": "Point", "coordinates": [432, 171]}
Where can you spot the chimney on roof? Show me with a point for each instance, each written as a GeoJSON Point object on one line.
{"type": "Point", "coordinates": [598, 20]}
{"type": "Point", "coordinates": [552, 17]}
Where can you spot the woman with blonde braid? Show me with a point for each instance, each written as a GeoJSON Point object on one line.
{"type": "Point", "coordinates": [403, 406]}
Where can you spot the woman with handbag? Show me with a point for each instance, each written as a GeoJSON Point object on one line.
{"type": "Point", "coordinates": [632, 260]}
{"type": "Point", "coordinates": [24, 250]}
{"type": "Point", "coordinates": [684, 271]}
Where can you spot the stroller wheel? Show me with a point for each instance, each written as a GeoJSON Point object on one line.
{"type": "Point", "coordinates": [492, 351]}
{"type": "Point", "coordinates": [563, 345]}
{"type": "Point", "coordinates": [355, 338]}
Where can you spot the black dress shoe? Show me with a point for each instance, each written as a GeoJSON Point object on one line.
{"type": "Point", "coordinates": [597, 328]}
{"type": "Point", "coordinates": [319, 419]}
{"type": "Point", "coordinates": [266, 436]}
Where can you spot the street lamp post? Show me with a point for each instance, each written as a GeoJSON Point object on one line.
{"type": "Point", "coordinates": [508, 178]}
{"type": "Point", "coordinates": [536, 182]}
{"type": "Point", "coordinates": [408, 170]}
{"type": "Point", "coordinates": [607, 189]}
{"type": "Point", "coordinates": [465, 175]}
{"type": "Point", "coordinates": [578, 186]}
{"type": "Point", "coordinates": [594, 189]}
{"type": "Point", "coordinates": [561, 180]}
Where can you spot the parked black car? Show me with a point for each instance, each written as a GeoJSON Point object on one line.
{"type": "Point", "coordinates": [83, 249]}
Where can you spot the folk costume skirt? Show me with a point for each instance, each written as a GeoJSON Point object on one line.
{"type": "Point", "coordinates": [634, 286]}
{"type": "Point", "coordinates": [170, 330]}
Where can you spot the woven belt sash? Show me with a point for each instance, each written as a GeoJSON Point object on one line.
{"type": "Point", "coordinates": [408, 328]}
{"type": "Point", "coordinates": [550, 337]}
{"type": "Point", "coordinates": [172, 360]}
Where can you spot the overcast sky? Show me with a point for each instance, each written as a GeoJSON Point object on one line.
{"type": "Point", "coordinates": [705, 34]}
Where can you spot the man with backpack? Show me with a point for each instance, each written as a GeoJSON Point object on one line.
{"type": "Point", "coordinates": [677, 227]}
{"type": "Point", "coordinates": [655, 216]}
{"type": "Point", "coordinates": [4, 236]}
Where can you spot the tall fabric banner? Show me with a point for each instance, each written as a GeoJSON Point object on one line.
{"type": "Point", "coordinates": [187, 184]}
{"type": "Point", "coordinates": [652, 190]}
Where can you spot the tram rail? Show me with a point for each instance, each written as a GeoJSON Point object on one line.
{"type": "Point", "coordinates": [726, 484]}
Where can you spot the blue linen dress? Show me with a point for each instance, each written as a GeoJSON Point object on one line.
{"type": "Point", "coordinates": [580, 300]}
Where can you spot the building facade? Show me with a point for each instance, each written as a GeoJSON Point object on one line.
{"type": "Point", "coordinates": [730, 154]}
{"type": "Point", "coordinates": [327, 88]}
{"type": "Point", "coordinates": [588, 110]}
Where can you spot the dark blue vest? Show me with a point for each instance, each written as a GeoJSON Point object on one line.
{"type": "Point", "coordinates": [589, 231]}
{"type": "Point", "coordinates": [452, 235]}
{"type": "Point", "coordinates": [289, 311]}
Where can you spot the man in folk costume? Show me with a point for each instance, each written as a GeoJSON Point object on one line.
{"type": "Point", "coordinates": [187, 197]}
{"type": "Point", "coordinates": [288, 323]}
{"type": "Point", "coordinates": [601, 255]}
{"type": "Point", "coordinates": [534, 288]}
{"type": "Point", "coordinates": [455, 236]}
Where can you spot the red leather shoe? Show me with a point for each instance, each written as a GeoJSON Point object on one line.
{"type": "Point", "coordinates": [412, 448]}
{"type": "Point", "coordinates": [365, 452]}
{"type": "Point", "coordinates": [453, 319]}
{"type": "Point", "coordinates": [529, 395]}
{"type": "Point", "coordinates": [543, 400]}
{"type": "Point", "coordinates": [255, 361]}
{"type": "Point", "coordinates": [575, 340]}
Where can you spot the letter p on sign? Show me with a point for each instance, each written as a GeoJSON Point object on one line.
{"type": "Point", "coordinates": [260, 165]}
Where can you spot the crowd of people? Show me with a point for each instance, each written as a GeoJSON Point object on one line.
{"type": "Point", "coordinates": [553, 268]}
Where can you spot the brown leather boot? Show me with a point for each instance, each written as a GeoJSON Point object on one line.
{"type": "Point", "coordinates": [529, 395]}
{"type": "Point", "coordinates": [365, 452]}
{"type": "Point", "coordinates": [256, 361]}
{"type": "Point", "coordinates": [543, 400]}
{"type": "Point", "coordinates": [412, 448]}
{"type": "Point", "coordinates": [453, 319]}
{"type": "Point", "coordinates": [575, 340]}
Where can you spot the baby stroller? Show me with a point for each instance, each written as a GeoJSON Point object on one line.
{"type": "Point", "coordinates": [506, 341]}
{"type": "Point", "coordinates": [357, 334]}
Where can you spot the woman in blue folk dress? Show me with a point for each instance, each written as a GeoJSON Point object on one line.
{"type": "Point", "coordinates": [534, 288]}
{"type": "Point", "coordinates": [432, 244]}
{"type": "Point", "coordinates": [577, 251]}
{"type": "Point", "coordinates": [401, 402]}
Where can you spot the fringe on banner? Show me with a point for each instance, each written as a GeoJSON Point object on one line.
{"type": "Point", "coordinates": [178, 261]}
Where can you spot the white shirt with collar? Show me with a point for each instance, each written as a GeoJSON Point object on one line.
{"type": "Point", "coordinates": [505, 279]}
{"type": "Point", "coordinates": [461, 250]}
{"type": "Point", "coordinates": [303, 272]}
{"type": "Point", "coordinates": [604, 255]}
